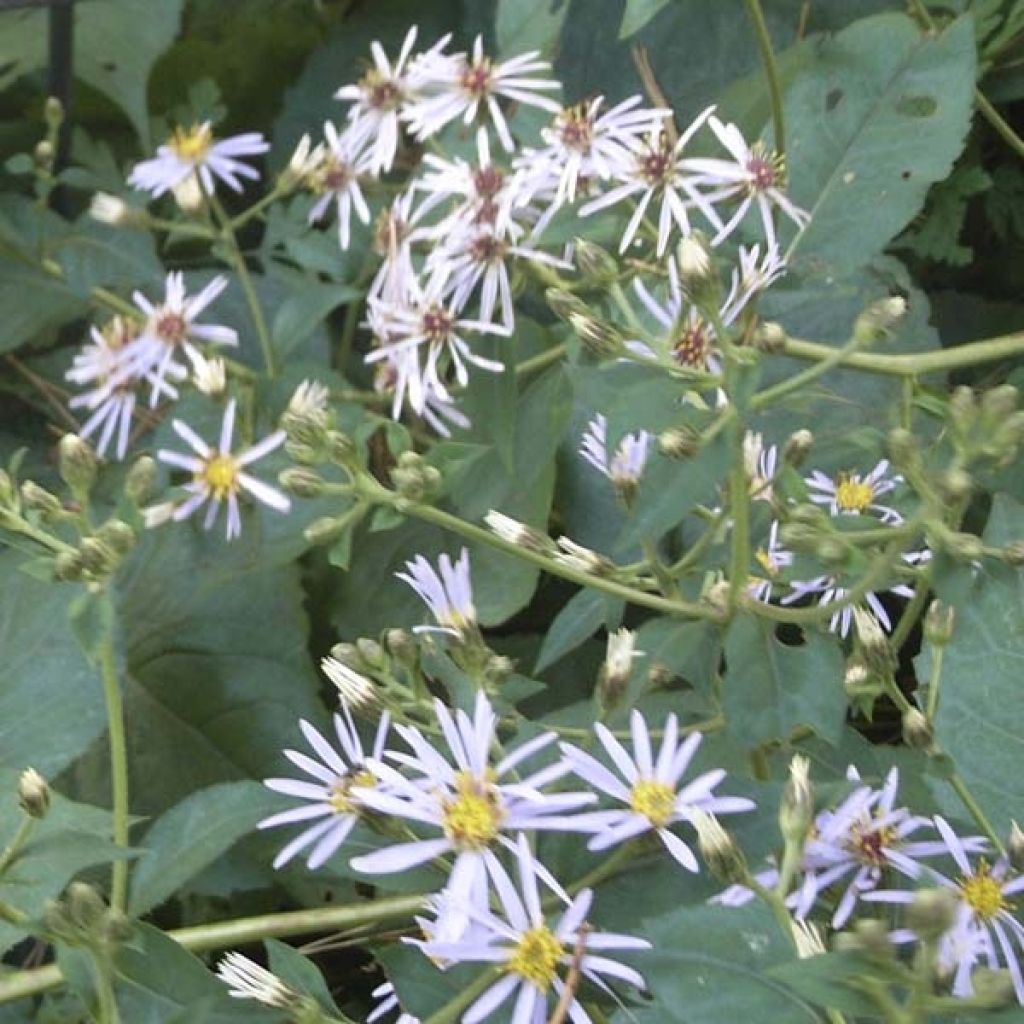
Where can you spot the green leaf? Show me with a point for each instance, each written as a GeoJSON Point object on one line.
{"type": "Point", "coordinates": [522, 25]}
{"type": "Point", "coordinates": [825, 980]}
{"type": "Point", "coordinates": [191, 835]}
{"type": "Point", "coordinates": [582, 616]}
{"type": "Point", "coordinates": [306, 307]}
{"type": "Point", "coordinates": [637, 14]}
{"type": "Point", "coordinates": [710, 964]}
{"type": "Point", "coordinates": [95, 255]}
{"type": "Point", "coordinates": [880, 116]}
{"type": "Point", "coordinates": [299, 973]}
{"type": "Point", "coordinates": [92, 619]}
{"type": "Point", "coordinates": [771, 687]}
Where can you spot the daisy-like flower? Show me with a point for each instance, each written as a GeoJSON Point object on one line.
{"type": "Point", "coordinates": [851, 494]}
{"type": "Point", "coordinates": [984, 923]}
{"type": "Point", "coordinates": [458, 85]}
{"type": "Point", "coordinates": [393, 235]}
{"type": "Point", "coordinates": [387, 1003]}
{"type": "Point", "coordinates": [448, 593]}
{"type": "Point", "coordinates": [651, 792]}
{"type": "Point", "coordinates": [329, 798]}
{"type": "Point", "coordinates": [218, 475]}
{"type": "Point", "coordinates": [533, 953]}
{"type": "Point", "coordinates": [247, 979]}
{"type": "Point", "coordinates": [626, 466]}
{"type": "Point", "coordinates": [772, 559]}
{"type": "Point", "coordinates": [830, 592]}
{"type": "Point", "coordinates": [193, 153]}
{"type": "Point", "coordinates": [754, 174]}
{"type": "Point", "coordinates": [170, 329]}
{"type": "Point", "coordinates": [335, 179]}
{"type": "Point", "coordinates": [470, 802]}
{"type": "Point", "coordinates": [761, 465]}
{"type": "Point", "coordinates": [659, 169]}
{"type": "Point", "coordinates": [377, 99]}
{"type": "Point", "coordinates": [755, 273]}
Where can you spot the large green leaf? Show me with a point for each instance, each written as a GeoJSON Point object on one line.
{"type": "Point", "coordinates": [522, 25]}
{"type": "Point", "coordinates": [771, 687]}
{"type": "Point", "coordinates": [872, 123]}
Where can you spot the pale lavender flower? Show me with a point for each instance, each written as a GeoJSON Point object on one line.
{"type": "Point", "coordinates": [652, 793]}
{"type": "Point", "coordinates": [194, 153]}
{"type": "Point", "coordinates": [830, 592]}
{"type": "Point", "coordinates": [625, 467]}
{"type": "Point", "coordinates": [853, 494]}
{"type": "Point", "coordinates": [330, 802]}
{"type": "Point", "coordinates": [447, 591]}
{"type": "Point", "coordinates": [218, 475]}
{"type": "Point", "coordinates": [532, 952]}
{"type": "Point", "coordinates": [761, 465]}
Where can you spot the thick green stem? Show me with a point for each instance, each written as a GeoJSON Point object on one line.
{"type": "Point", "coordinates": [771, 72]}
{"type": "Point", "coordinates": [935, 682]}
{"type": "Point", "coordinates": [118, 771]}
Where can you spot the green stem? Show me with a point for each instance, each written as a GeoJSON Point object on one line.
{"type": "Point", "coordinates": [935, 681]}
{"type": "Point", "coordinates": [800, 380]}
{"type": "Point", "coordinates": [771, 72]}
{"type": "Point", "coordinates": [699, 546]}
{"type": "Point", "coordinates": [1002, 127]}
{"type": "Point", "coordinates": [255, 210]}
{"type": "Point", "coordinates": [14, 847]}
{"type": "Point", "coordinates": [975, 811]}
{"type": "Point", "coordinates": [778, 907]}
{"type": "Point", "coordinates": [238, 932]}
{"type": "Point", "coordinates": [541, 361]}
{"type": "Point", "coordinates": [666, 584]}
{"type": "Point", "coordinates": [16, 524]}
{"type": "Point", "coordinates": [107, 1003]}
{"type": "Point", "coordinates": [118, 770]}
{"type": "Point", "coordinates": [739, 506]}
{"type": "Point", "coordinates": [910, 613]}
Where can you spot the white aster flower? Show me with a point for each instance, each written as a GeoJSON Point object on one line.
{"type": "Point", "coordinates": [458, 85]}
{"type": "Point", "coordinates": [355, 690]}
{"type": "Point", "coordinates": [330, 800]}
{"type": "Point", "coordinates": [754, 174]}
{"type": "Point", "coordinates": [755, 273]}
{"type": "Point", "coordinates": [854, 494]}
{"type": "Point", "coordinates": [218, 475]}
{"type": "Point", "coordinates": [194, 153]}
{"type": "Point", "coordinates": [387, 1003]}
{"type": "Point", "coordinates": [651, 792]}
{"type": "Point", "coordinates": [473, 803]}
{"type": "Point", "coordinates": [761, 465]}
{"type": "Point", "coordinates": [394, 232]}
{"type": "Point", "coordinates": [533, 953]}
{"type": "Point", "coordinates": [829, 591]}
{"type": "Point", "coordinates": [985, 926]}
{"type": "Point", "coordinates": [772, 559]}
{"type": "Point", "coordinates": [626, 466]}
{"type": "Point", "coordinates": [658, 169]}
{"type": "Point", "coordinates": [514, 532]}
{"type": "Point", "coordinates": [246, 979]}
{"type": "Point", "coordinates": [335, 179]}
{"type": "Point", "coordinates": [377, 98]}
{"type": "Point", "coordinates": [171, 329]}
{"type": "Point", "coordinates": [448, 593]}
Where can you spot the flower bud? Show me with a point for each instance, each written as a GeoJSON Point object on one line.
{"type": "Point", "coordinates": [499, 668]}
{"type": "Point", "coordinates": [879, 319]}
{"type": "Point", "coordinates": [721, 854]}
{"type": "Point", "coordinates": [679, 443]}
{"type": "Point", "coordinates": [141, 479]}
{"type": "Point", "coordinates": [76, 462]}
{"type": "Point", "coordinates": [993, 988]}
{"type": "Point", "coordinates": [33, 793]}
{"type": "Point", "coordinates": [858, 682]}
{"type": "Point", "coordinates": [799, 537]}
{"type": "Point", "coordinates": [118, 928]}
{"type": "Point", "coordinates": [796, 811]}
{"type": "Point", "coordinates": [810, 514]}
{"type": "Point", "coordinates": [85, 907]}
{"type": "Point", "coordinates": [965, 547]}
{"type": "Point", "coordinates": [694, 260]}
{"type": "Point", "coordinates": [371, 653]}
{"type": "Point", "coordinates": [832, 551]}
{"type": "Point", "coordinates": [210, 376]}
{"type": "Point", "coordinates": [514, 532]}
{"type": "Point", "coordinates": [67, 566]}
{"type": "Point", "coordinates": [98, 560]}
{"type": "Point", "coordinates": [931, 913]}
{"type": "Point", "coordinates": [797, 447]}
{"type": "Point", "coordinates": [903, 449]}
{"type": "Point", "coordinates": [40, 500]}
{"type": "Point", "coordinates": [576, 556]}
{"type": "Point", "coordinates": [617, 667]}
{"type": "Point", "coordinates": [564, 304]}
{"type": "Point", "coordinates": [188, 194]}
{"type": "Point", "coordinates": [307, 418]}
{"type": "Point", "coordinates": [304, 453]}
{"type": "Point", "coordinates": [769, 337]}
{"type": "Point", "coordinates": [113, 210]}
{"type": "Point", "coordinates": [302, 482]}
{"type": "Point", "coordinates": [156, 515]}
{"type": "Point", "coordinates": [963, 409]}
{"type": "Point", "coordinates": [998, 403]}
{"type": "Point", "coordinates": [325, 530]}
{"type": "Point", "coordinates": [600, 339]}
{"type": "Point", "coordinates": [341, 449]}
{"type": "Point", "coordinates": [53, 113]}
{"type": "Point", "coordinates": [354, 689]}
{"type": "Point", "coordinates": [401, 646]}
{"type": "Point", "coordinates": [717, 598]}
{"type": "Point", "coordinates": [1014, 552]}
{"type": "Point", "coordinates": [956, 484]}
{"type": "Point", "coordinates": [938, 623]}
{"type": "Point", "coordinates": [874, 644]}
{"type": "Point", "coordinates": [304, 159]}
{"type": "Point", "coordinates": [1015, 847]}
{"type": "Point", "coordinates": [43, 155]}
{"type": "Point", "coordinates": [347, 654]}
{"type": "Point", "coordinates": [594, 262]}
{"type": "Point", "coordinates": [869, 937]}
{"type": "Point", "coordinates": [917, 730]}
{"type": "Point", "coordinates": [117, 535]}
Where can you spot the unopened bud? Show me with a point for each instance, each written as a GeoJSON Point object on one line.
{"type": "Point", "coordinates": [499, 668]}
{"type": "Point", "coordinates": [354, 689]}
{"type": "Point", "coordinates": [938, 623]}
{"type": "Point", "coordinates": [209, 376]}
{"type": "Point", "coordinates": [874, 644]}
{"type": "Point", "coordinates": [832, 551]}
{"type": "Point", "coordinates": [39, 499]}
{"type": "Point", "coordinates": [188, 194]}
{"type": "Point", "coordinates": [341, 449]}
{"type": "Point", "coordinates": [694, 260]}
{"type": "Point", "coordinates": [600, 339]}
{"type": "Point", "coordinates": [868, 937]}
{"type": "Point", "coordinates": [303, 453]}
{"type": "Point", "coordinates": [963, 409]}
{"type": "Point", "coordinates": [347, 654]}
{"type": "Point", "coordinates": [53, 113]}
{"type": "Point", "coordinates": [307, 418]}
{"type": "Point", "coordinates": [659, 675]}
{"type": "Point", "coordinates": [159, 514]}
{"type": "Point", "coordinates": [956, 484]}
{"type": "Point", "coordinates": [879, 319]}
{"type": "Point", "coordinates": [679, 443]}
{"type": "Point", "coordinates": [903, 449]}
{"type": "Point", "coordinates": [141, 479]}
{"type": "Point", "coordinates": [998, 403]}
{"type": "Point", "coordinates": [617, 667]}
{"type": "Point", "coordinates": [965, 547]}
{"type": "Point", "coordinates": [1014, 552]}
{"type": "Point", "coordinates": [993, 988]}
{"type": "Point", "coordinates": [303, 483]}
{"type": "Point", "coordinates": [931, 913]}
{"type": "Point", "coordinates": [796, 811]}
{"type": "Point", "coordinates": [797, 447]}
{"type": "Point", "coordinates": [85, 907]}
{"type": "Point", "coordinates": [799, 537]}
{"type": "Point", "coordinates": [67, 566]}
{"type": "Point", "coordinates": [858, 682]}
{"type": "Point", "coordinates": [113, 210]}
{"type": "Point", "coordinates": [401, 646]}
{"type": "Point", "coordinates": [917, 730]}
{"type": "Point", "coordinates": [371, 653]}
{"type": "Point", "coordinates": [97, 558]}
{"type": "Point", "coordinates": [33, 793]}
{"type": "Point", "coordinates": [514, 532]}
{"type": "Point", "coordinates": [564, 304]}
{"type": "Point", "coordinates": [717, 598]}
{"type": "Point", "coordinates": [43, 155]}
{"type": "Point", "coordinates": [1015, 847]}
{"type": "Point", "coordinates": [769, 337]}
{"type": "Point", "coordinates": [325, 530]}
{"type": "Point", "coordinates": [721, 854]}
{"type": "Point", "coordinates": [582, 559]}
{"type": "Point", "coordinates": [77, 463]}
{"type": "Point", "coordinates": [118, 927]}
{"type": "Point", "coordinates": [810, 514]}
{"type": "Point", "coordinates": [594, 262]}
{"type": "Point", "coordinates": [303, 160]}
{"type": "Point", "coordinates": [117, 535]}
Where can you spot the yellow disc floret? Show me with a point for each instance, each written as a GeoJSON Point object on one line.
{"type": "Point", "coordinates": [472, 819]}
{"type": "Point", "coordinates": [655, 800]}
{"type": "Point", "coordinates": [537, 957]}
{"type": "Point", "coordinates": [220, 474]}
{"type": "Point", "coordinates": [193, 143]}
{"type": "Point", "coordinates": [983, 893]}
{"type": "Point", "coordinates": [340, 799]}
{"type": "Point", "coordinates": [853, 494]}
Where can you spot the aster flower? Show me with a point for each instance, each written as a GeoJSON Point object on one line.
{"type": "Point", "coordinates": [387, 1003]}
{"type": "Point", "coordinates": [754, 174]}
{"type": "Point", "coordinates": [218, 475]}
{"type": "Point", "coordinates": [471, 803]}
{"type": "Point", "coordinates": [377, 99]}
{"type": "Point", "coordinates": [247, 979]}
{"type": "Point", "coordinates": [582, 559]}
{"type": "Point", "coordinates": [626, 466]}
{"type": "Point", "coordinates": [772, 559]}
{"type": "Point", "coordinates": [329, 798]}
{"type": "Point", "coordinates": [461, 86]}
{"type": "Point", "coordinates": [985, 925]}
{"type": "Point", "coordinates": [854, 494]}
{"type": "Point", "coordinates": [193, 153]}
{"type": "Point", "coordinates": [171, 328]}
{"type": "Point", "coordinates": [393, 235]}
{"type": "Point", "coordinates": [651, 792]}
{"type": "Point", "coordinates": [658, 169]}
{"type": "Point", "coordinates": [829, 591]}
{"type": "Point", "coordinates": [761, 465]}
{"type": "Point", "coordinates": [532, 952]}
{"type": "Point", "coordinates": [448, 593]}
{"type": "Point", "coordinates": [335, 178]}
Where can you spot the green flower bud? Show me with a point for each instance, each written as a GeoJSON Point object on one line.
{"type": "Point", "coordinates": [878, 320]}
{"type": "Point", "coordinates": [141, 480]}
{"type": "Point", "coordinates": [33, 793]}
{"type": "Point", "coordinates": [401, 646]}
{"type": "Point", "coordinates": [595, 263]}
{"type": "Point", "coordinates": [40, 500]}
{"type": "Point", "coordinates": [564, 304]}
{"type": "Point", "coordinates": [325, 530]}
{"type": "Point", "coordinates": [931, 913]}
{"type": "Point", "coordinates": [809, 514]}
{"type": "Point", "coordinates": [67, 566]}
{"type": "Point", "coordinates": [679, 443]}
{"type": "Point", "coordinates": [963, 409]}
{"type": "Point", "coordinates": [869, 938]}
{"type": "Point", "coordinates": [347, 654]}
{"type": "Point", "coordinates": [599, 338]}
{"type": "Point", "coordinates": [917, 730]}
{"type": "Point", "coordinates": [965, 547]}
{"type": "Point", "coordinates": [1014, 552]}
{"type": "Point", "coordinates": [53, 113]}
{"type": "Point", "coordinates": [499, 668]}
{"type": "Point", "coordinates": [85, 907]}
{"type": "Point", "coordinates": [938, 623]}
{"type": "Point", "coordinates": [371, 654]}
{"type": "Point", "coordinates": [998, 403]}
{"type": "Point", "coordinates": [904, 451]}
{"type": "Point", "coordinates": [118, 928]}
{"type": "Point", "coordinates": [341, 449]}
{"type": "Point", "coordinates": [723, 857]}
{"type": "Point", "coordinates": [832, 551]}
{"type": "Point", "coordinates": [797, 447]}
{"type": "Point", "coordinates": [117, 535]}
{"type": "Point", "coordinates": [769, 337]}
{"type": "Point", "coordinates": [303, 483]}
{"type": "Point", "coordinates": [43, 155]}
{"type": "Point", "coordinates": [799, 537]}
{"type": "Point", "coordinates": [302, 453]}
{"type": "Point", "coordinates": [993, 988]}
{"type": "Point", "coordinates": [956, 484]}
{"type": "Point", "coordinates": [98, 559]}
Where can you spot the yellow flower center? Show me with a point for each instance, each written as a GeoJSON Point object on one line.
{"type": "Point", "coordinates": [983, 893]}
{"type": "Point", "coordinates": [473, 818]}
{"type": "Point", "coordinates": [765, 560]}
{"type": "Point", "coordinates": [220, 474]}
{"type": "Point", "coordinates": [853, 494]}
{"type": "Point", "coordinates": [655, 800]}
{"type": "Point", "coordinates": [537, 957]}
{"type": "Point", "coordinates": [340, 801]}
{"type": "Point", "coordinates": [193, 143]}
